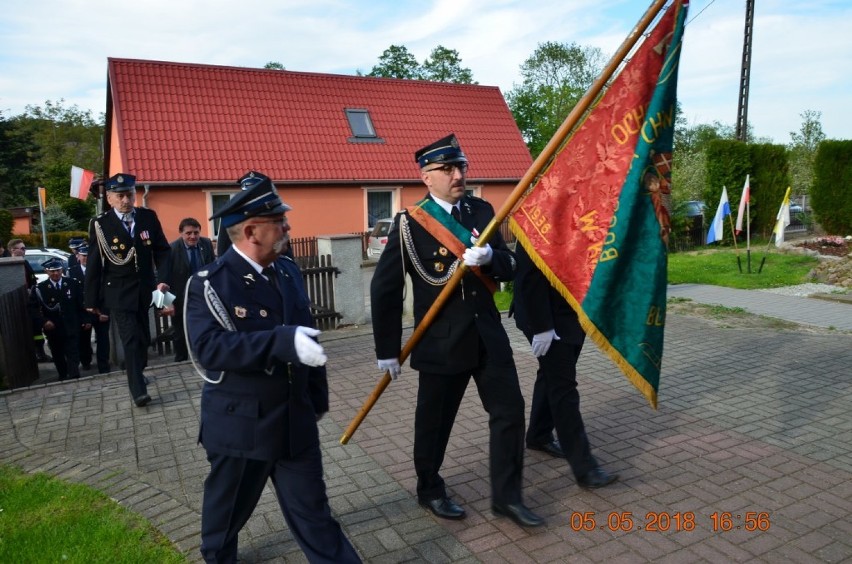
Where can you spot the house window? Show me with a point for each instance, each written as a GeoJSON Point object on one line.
{"type": "Point", "coordinates": [362, 127]}
{"type": "Point", "coordinates": [379, 206]}
{"type": "Point", "coordinates": [217, 202]}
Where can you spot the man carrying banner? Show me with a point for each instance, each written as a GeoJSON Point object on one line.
{"type": "Point", "coordinates": [554, 332]}
{"type": "Point", "coordinates": [428, 241]}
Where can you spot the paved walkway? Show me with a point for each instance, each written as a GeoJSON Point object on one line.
{"type": "Point", "coordinates": [753, 430]}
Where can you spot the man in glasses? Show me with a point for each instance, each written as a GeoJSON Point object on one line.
{"type": "Point", "coordinates": [250, 327]}
{"type": "Point", "coordinates": [466, 339]}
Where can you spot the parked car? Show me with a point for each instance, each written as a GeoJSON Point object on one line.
{"type": "Point", "coordinates": [379, 238]}
{"type": "Point", "coordinates": [37, 256]}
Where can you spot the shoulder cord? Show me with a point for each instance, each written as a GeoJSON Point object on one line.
{"type": "Point", "coordinates": [405, 235]}
{"type": "Point", "coordinates": [43, 304]}
{"type": "Point", "coordinates": [106, 252]}
{"type": "Point", "coordinates": [219, 313]}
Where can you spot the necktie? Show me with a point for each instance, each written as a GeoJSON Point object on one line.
{"type": "Point", "coordinates": [456, 214]}
{"type": "Point", "coordinates": [272, 276]}
{"type": "Point", "coordinates": [193, 259]}
{"type": "Point", "coordinates": [128, 222]}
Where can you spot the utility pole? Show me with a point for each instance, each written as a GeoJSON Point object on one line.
{"type": "Point", "coordinates": [742, 107]}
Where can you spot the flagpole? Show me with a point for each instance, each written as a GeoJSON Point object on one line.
{"type": "Point", "coordinates": [748, 232]}
{"type": "Point", "coordinates": [538, 165]}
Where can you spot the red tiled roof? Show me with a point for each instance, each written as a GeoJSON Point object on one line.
{"type": "Point", "coordinates": [194, 123]}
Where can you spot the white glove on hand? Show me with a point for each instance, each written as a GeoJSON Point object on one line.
{"type": "Point", "coordinates": [390, 365]}
{"type": "Point", "coordinates": [309, 351]}
{"type": "Point", "coordinates": [541, 342]}
{"type": "Point", "coordinates": [478, 256]}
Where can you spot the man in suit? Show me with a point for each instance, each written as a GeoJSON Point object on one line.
{"type": "Point", "coordinates": [100, 322]}
{"type": "Point", "coordinates": [126, 247]}
{"type": "Point", "coordinates": [250, 327]}
{"type": "Point", "coordinates": [190, 252]}
{"type": "Point", "coordinates": [553, 330]}
{"type": "Point", "coordinates": [467, 338]}
{"type": "Point", "coordinates": [60, 314]}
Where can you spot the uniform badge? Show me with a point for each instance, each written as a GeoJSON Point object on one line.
{"type": "Point", "coordinates": [115, 239]}
{"type": "Point", "coordinates": [240, 312]}
{"type": "Point", "coordinates": [118, 255]}
{"type": "Point", "coordinates": [263, 313]}
{"type": "Point", "coordinates": [249, 278]}
{"type": "Point", "coordinates": [122, 247]}
{"type": "Point", "coordinates": [439, 267]}
{"type": "Point", "coordinates": [443, 251]}
{"type": "Point", "coordinates": [147, 241]}
{"type": "Point", "coordinates": [114, 247]}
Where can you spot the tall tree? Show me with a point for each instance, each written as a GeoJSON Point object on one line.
{"type": "Point", "coordinates": [803, 148]}
{"type": "Point", "coordinates": [396, 62]}
{"type": "Point", "coordinates": [444, 65]}
{"type": "Point", "coordinates": [555, 77]}
{"type": "Point", "coordinates": [19, 154]}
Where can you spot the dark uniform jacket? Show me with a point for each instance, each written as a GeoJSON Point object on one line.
{"type": "Point", "coordinates": [538, 307]}
{"type": "Point", "coordinates": [127, 286]}
{"type": "Point", "coordinates": [266, 405]}
{"type": "Point", "coordinates": [64, 307]}
{"type": "Point", "coordinates": [468, 319]}
{"type": "Point", "coordinates": [177, 270]}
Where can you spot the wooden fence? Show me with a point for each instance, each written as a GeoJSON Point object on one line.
{"type": "Point", "coordinates": [318, 274]}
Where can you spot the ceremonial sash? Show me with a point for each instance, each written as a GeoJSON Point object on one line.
{"type": "Point", "coordinates": [449, 232]}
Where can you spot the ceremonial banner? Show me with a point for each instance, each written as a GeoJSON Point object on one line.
{"type": "Point", "coordinates": [597, 222]}
{"type": "Point", "coordinates": [743, 209]}
{"type": "Point", "coordinates": [782, 220]}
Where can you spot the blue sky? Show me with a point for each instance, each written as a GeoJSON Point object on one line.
{"type": "Point", "coordinates": [802, 56]}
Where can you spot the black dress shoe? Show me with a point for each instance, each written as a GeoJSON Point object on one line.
{"type": "Point", "coordinates": [142, 400]}
{"type": "Point", "coordinates": [552, 447]}
{"type": "Point", "coordinates": [443, 507]}
{"type": "Point", "coordinates": [519, 513]}
{"type": "Point", "coordinates": [596, 478]}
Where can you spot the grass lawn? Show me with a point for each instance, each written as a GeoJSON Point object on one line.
{"type": "Point", "coordinates": [43, 519]}
{"type": "Point", "coordinates": [719, 268]}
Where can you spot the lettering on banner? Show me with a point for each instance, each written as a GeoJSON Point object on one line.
{"type": "Point", "coordinates": [656, 317]}
{"type": "Point", "coordinates": [539, 220]}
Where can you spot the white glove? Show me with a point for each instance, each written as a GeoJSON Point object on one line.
{"type": "Point", "coordinates": [390, 365]}
{"type": "Point", "coordinates": [541, 342]}
{"type": "Point", "coordinates": [477, 256]}
{"type": "Point", "coordinates": [309, 351]}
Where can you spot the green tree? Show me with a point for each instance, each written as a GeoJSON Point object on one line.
{"type": "Point", "coordinates": [444, 65]}
{"type": "Point", "coordinates": [803, 148]}
{"type": "Point", "coordinates": [55, 219]}
{"type": "Point", "coordinates": [396, 62]}
{"type": "Point", "coordinates": [19, 154]}
{"type": "Point", "coordinates": [274, 65]}
{"type": "Point", "coordinates": [555, 77]}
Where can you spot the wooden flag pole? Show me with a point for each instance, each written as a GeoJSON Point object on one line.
{"type": "Point", "coordinates": [538, 165]}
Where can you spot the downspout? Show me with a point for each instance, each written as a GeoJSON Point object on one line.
{"type": "Point", "coordinates": [145, 197]}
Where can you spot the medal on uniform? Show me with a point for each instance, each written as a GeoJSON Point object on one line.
{"type": "Point", "coordinates": [145, 236]}
{"type": "Point", "coordinates": [443, 251]}
{"type": "Point", "coordinates": [263, 313]}
{"type": "Point", "coordinates": [240, 312]}
{"type": "Point", "coordinates": [121, 246]}
{"type": "Point", "coordinates": [439, 267]}
{"type": "Point", "coordinates": [115, 239]}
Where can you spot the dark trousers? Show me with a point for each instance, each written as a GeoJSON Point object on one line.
{"type": "Point", "coordinates": [63, 349]}
{"type": "Point", "coordinates": [179, 339]}
{"type": "Point", "coordinates": [438, 400]}
{"type": "Point", "coordinates": [233, 488]}
{"type": "Point", "coordinates": [135, 334]}
{"type": "Point", "coordinates": [556, 404]}
{"type": "Point", "coordinates": [101, 329]}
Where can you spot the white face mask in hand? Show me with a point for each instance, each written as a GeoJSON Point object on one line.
{"type": "Point", "coordinates": [309, 351]}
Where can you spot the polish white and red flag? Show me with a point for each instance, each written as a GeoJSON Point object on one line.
{"type": "Point", "coordinates": [81, 179]}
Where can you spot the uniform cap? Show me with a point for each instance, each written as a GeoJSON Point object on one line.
{"type": "Point", "coordinates": [259, 198]}
{"type": "Point", "coordinates": [442, 151]}
{"type": "Point", "coordinates": [121, 182]}
{"type": "Point", "coordinates": [52, 264]}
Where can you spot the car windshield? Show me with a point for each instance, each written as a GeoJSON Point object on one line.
{"type": "Point", "coordinates": [381, 229]}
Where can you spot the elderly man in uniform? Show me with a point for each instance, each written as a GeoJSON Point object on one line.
{"type": "Point", "coordinates": [126, 246]}
{"type": "Point", "coordinates": [59, 303]}
{"type": "Point", "coordinates": [250, 328]}
{"type": "Point", "coordinates": [467, 338]}
{"type": "Point", "coordinates": [190, 252]}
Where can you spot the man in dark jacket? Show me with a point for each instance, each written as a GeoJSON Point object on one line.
{"type": "Point", "coordinates": [466, 339]}
{"type": "Point", "coordinates": [250, 328]}
{"type": "Point", "coordinates": [126, 247]}
{"type": "Point", "coordinates": [100, 322]}
{"type": "Point", "coordinates": [551, 326]}
{"type": "Point", "coordinates": [190, 252]}
{"type": "Point", "coordinates": [59, 303]}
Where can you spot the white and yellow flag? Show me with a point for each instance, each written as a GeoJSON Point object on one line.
{"type": "Point", "coordinates": [782, 220]}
